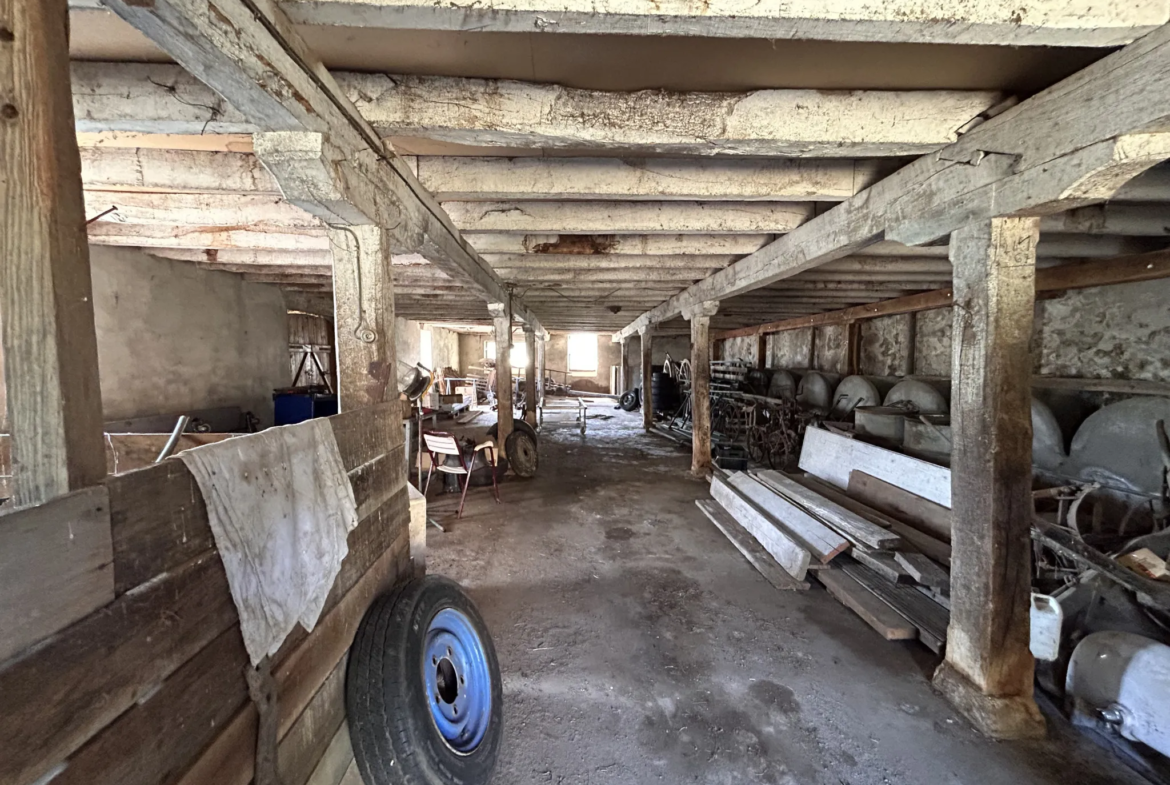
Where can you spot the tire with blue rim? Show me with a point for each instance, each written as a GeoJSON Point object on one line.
{"type": "Point", "coordinates": [423, 693]}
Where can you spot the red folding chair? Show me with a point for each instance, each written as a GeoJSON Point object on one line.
{"type": "Point", "coordinates": [440, 443]}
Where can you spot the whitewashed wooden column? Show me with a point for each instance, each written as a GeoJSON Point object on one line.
{"type": "Point", "coordinates": [502, 319]}
{"type": "Point", "coordinates": [530, 391]}
{"type": "Point", "coordinates": [988, 671]}
{"type": "Point", "coordinates": [50, 347]}
{"type": "Point", "coordinates": [647, 336]}
{"type": "Point", "coordinates": [624, 367]}
{"type": "Point", "coordinates": [363, 310]}
{"type": "Point", "coordinates": [542, 361]}
{"type": "Point", "coordinates": [700, 319]}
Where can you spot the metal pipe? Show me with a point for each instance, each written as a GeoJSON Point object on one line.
{"type": "Point", "coordinates": [173, 442]}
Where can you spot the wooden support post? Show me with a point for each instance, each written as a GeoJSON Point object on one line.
{"type": "Point", "coordinates": [700, 319]}
{"type": "Point", "coordinates": [852, 348]}
{"type": "Point", "coordinates": [502, 318]}
{"type": "Point", "coordinates": [624, 367]}
{"type": "Point", "coordinates": [530, 391]}
{"type": "Point", "coordinates": [988, 669]}
{"type": "Point", "coordinates": [812, 348]}
{"type": "Point", "coordinates": [762, 351]}
{"type": "Point", "coordinates": [542, 340]}
{"type": "Point", "coordinates": [50, 347]}
{"type": "Point", "coordinates": [647, 334]}
{"type": "Point", "coordinates": [363, 306]}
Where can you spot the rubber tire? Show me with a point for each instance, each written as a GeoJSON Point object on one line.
{"type": "Point", "coordinates": [395, 741]}
{"type": "Point", "coordinates": [517, 425]}
{"type": "Point", "coordinates": [523, 453]}
{"type": "Point", "coordinates": [629, 401]}
{"type": "Point", "coordinates": [664, 393]}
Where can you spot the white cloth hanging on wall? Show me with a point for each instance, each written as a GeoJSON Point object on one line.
{"type": "Point", "coordinates": [281, 507]}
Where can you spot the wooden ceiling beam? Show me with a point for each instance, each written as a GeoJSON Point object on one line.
{"type": "Point", "coordinates": [1071, 145]}
{"type": "Point", "coordinates": [996, 23]}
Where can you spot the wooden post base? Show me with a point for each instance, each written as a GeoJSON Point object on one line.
{"type": "Point", "coordinates": [1000, 718]}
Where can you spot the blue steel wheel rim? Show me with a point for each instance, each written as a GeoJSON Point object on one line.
{"type": "Point", "coordinates": [458, 680]}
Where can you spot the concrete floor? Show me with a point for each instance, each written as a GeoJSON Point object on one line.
{"type": "Point", "coordinates": [638, 646]}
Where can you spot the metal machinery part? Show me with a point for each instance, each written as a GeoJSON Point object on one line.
{"type": "Point", "coordinates": [816, 391]}
{"type": "Point", "coordinates": [1047, 439]}
{"type": "Point", "coordinates": [783, 385]}
{"type": "Point", "coordinates": [1118, 445]}
{"type": "Point", "coordinates": [852, 392]}
{"type": "Point", "coordinates": [1122, 680]}
{"type": "Point", "coordinates": [886, 423]}
{"type": "Point", "coordinates": [914, 393]}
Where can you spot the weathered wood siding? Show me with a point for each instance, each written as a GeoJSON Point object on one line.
{"type": "Point", "coordinates": [150, 689]}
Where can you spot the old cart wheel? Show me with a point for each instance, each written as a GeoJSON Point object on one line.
{"type": "Point", "coordinates": [521, 448]}
{"type": "Point", "coordinates": [523, 454]}
{"type": "Point", "coordinates": [423, 693]}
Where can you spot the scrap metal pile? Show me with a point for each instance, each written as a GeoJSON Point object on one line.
{"type": "Point", "coordinates": [866, 513]}
{"type": "Point", "coordinates": [750, 416]}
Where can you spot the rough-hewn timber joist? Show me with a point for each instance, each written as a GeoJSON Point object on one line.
{"type": "Point", "coordinates": [250, 54]}
{"type": "Point", "coordinates": [1074, 144]}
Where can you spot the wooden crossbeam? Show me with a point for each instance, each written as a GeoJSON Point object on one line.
{"type": "Point", "coordinates": [996, 23]}
{"type": "Point", "coordinates": [256, 60]}
{"type": "Point", "coordinates": [160, 98]}
{"type": "Point", "coordinates": [1074, 144]}
{"type": "Point", "coordinates": [1106, 272]}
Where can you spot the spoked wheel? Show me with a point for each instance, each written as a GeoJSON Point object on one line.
{"type": "Point", "coordinates": [756, 444]}
{"type": "Point", "coordinates": [423, 691]}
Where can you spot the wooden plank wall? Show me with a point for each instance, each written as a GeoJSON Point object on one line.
{"type": "Point", "coordinates": [150, 689]}
{"type": "Point", "coordinates": [124, 451]}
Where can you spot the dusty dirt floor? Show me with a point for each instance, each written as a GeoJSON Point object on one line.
{"type": "Point", "coordinates": [638, 646]}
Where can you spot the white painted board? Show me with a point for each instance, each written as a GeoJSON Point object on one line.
{"type": "Point", "coordinates": [831, 457]}
{"type": "Point", "coordinates": [821, 541]}
{"type": "Point", "coordinates": [786, 551]}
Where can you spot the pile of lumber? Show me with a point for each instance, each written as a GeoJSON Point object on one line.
{"type": "Point", "coordinates": [851, 521]}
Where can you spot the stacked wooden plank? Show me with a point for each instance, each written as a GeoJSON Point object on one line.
{"type": "Point", "coordinates": [904, 495]}
{"type": "Point", "coordinates": [858, 523]}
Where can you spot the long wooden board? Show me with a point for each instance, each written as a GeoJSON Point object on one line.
{"type": "Point", "coordinates": [56, 567]}
{"type": "Point", "coordinates": [851, 525]}
{"type": "Point", "coordinates": [881, 617]}
{"type": "Point", "coordinates": [821, 541]}
{"type": "Point", "coordinates": [913, 538]}
{"type": "Point", "coordinates": [831, 457]}
{"type": "Point", "coordinates": [787, 552]}
{"type": "Point", "coordinates": [929, 617]}
{"type": "Point", "coordinates": [159, 738]}
{"type": "Point", "coordinates": [751, 550]}
{"type": "Point", "coordinates": [922, 514]}
{"type": "Point", "coordinates": [84, 678]}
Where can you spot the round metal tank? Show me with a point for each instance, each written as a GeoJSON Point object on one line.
{"type": "Point", "coordinates": [1047, 439]}
{"type": "Point", "coordinates": [783, 384]}
{"type": "Point", "coordinates": [922, 396]}
{"type": "Point", "coordinates": [855, 391]}
{"type": "Point", "coordinates": [816, 390]}
{"type": "Point", "coordinates": [1123, 679]}
{"type": "Point", "coordinates": [1118, 445]}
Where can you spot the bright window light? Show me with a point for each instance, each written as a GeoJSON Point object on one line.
{"type": "Point", "coordinates": [583, 353]}
{"type": "Point", "coordinates": [425, 353]}
{"type": "Point", "coordinates": [519, 355]}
